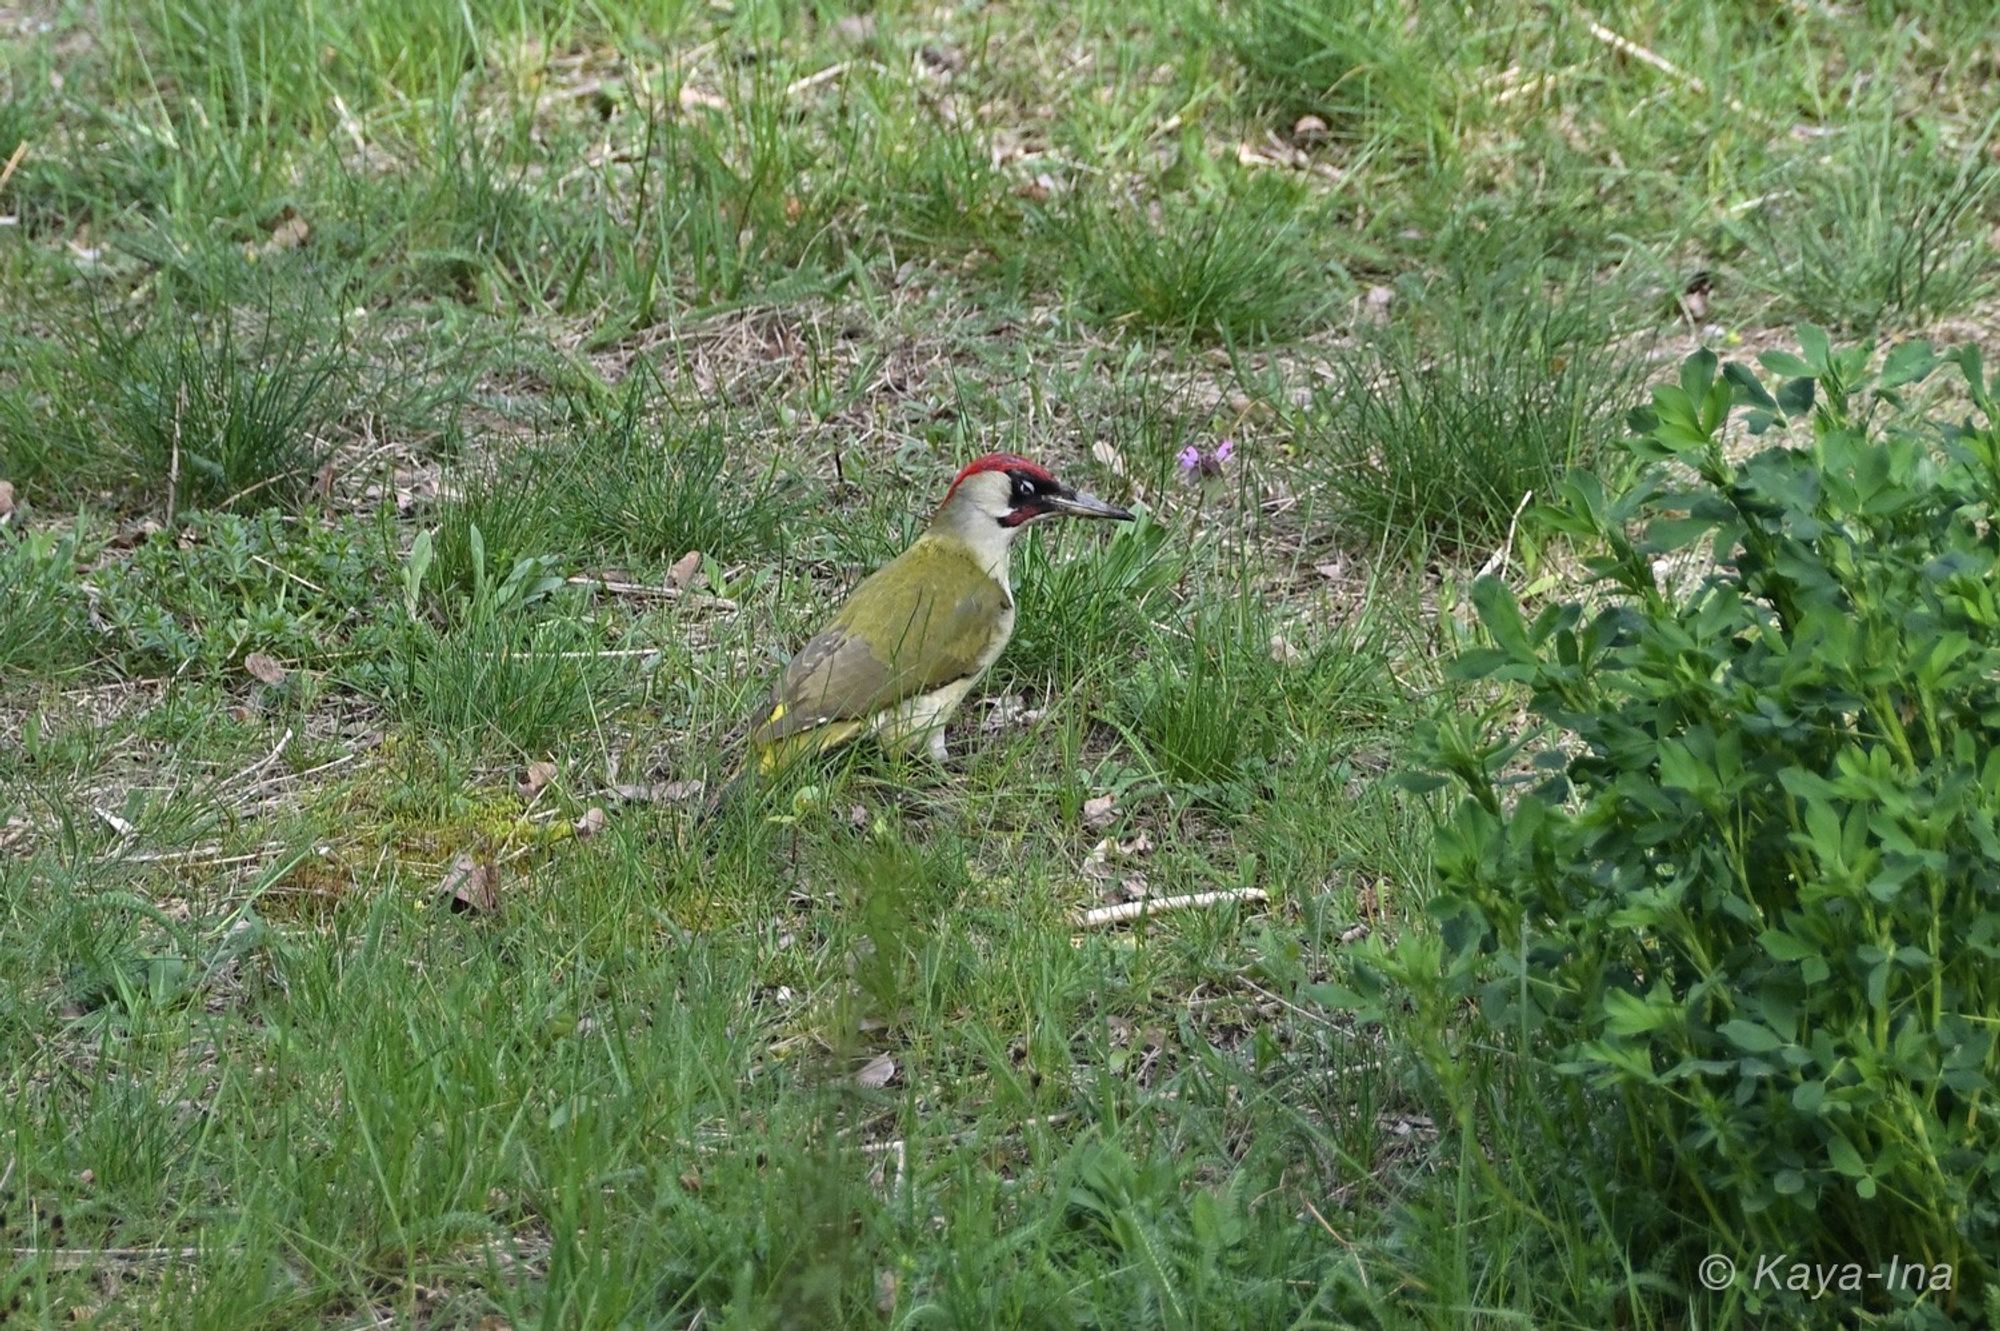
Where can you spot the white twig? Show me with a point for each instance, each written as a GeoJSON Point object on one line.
{"type": "Point", "coordinates": [207, 857]}
{"type": "Point", "coordinates": [287, 573]}
{"type": "Point", "coordinates": [1626, 46]}
{"type": "Point", "coordinates": [254, 768]}
{"type": "Point", "coordinates": [641, 589]}
{"type": "Point", "coordinates": [1497, 561]}
{"type": "Point", "coordinates": [1132, 910]}
{"type": "Point", "coordinates": [350, 125]}
{"type": "Point", "coordinates": [76, 1259]}
{"type": "Point", "coordinates": [827, 75]}
{"type": "Point", "coordinates": [123, 827]}
{"type": "Point", "coordinates": [342, 761]}
{"type": "Point", "coordinates": [20, 151]}
{"type": "Point", "coordinates": [600, 654]}
{"type": "Point", "coordinates": [1749, 205]}
{"type": "Point", "coordinates": [174, 457]}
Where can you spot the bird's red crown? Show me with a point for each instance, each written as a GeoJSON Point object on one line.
{"type": "Point", "coordinates": [1008, 462]}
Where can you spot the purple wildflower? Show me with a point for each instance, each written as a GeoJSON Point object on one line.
{"type": "Point", "coordinates": [1206, 463]}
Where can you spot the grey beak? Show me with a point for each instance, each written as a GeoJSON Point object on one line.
{"type": "Point", "coordinates": [1077, 504]}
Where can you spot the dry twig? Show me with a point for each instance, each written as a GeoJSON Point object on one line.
{"type": "Point", "coordinates": [1132, 910]}
{"type": "Point", "coordinates": [20, 151]}
{"type": "Point", "coordinates": [81, 1259]}
{"type": "Point", "coordinates": [1626, 46]}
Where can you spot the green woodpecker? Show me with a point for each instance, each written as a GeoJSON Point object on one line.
{"type": "Point", "coordinates": [913, 639]}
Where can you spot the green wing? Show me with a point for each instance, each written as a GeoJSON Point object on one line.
{"type": "Point", "coordinates": [896, 637]}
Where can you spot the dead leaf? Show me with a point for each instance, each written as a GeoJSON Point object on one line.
{"type": "Point", "coordinates": [1282, 650]}
{"type": "Point", "coordinates": [880, 1070]}
{"type": "Point", "coordinates": [1694, 296]}
{"type": "Point", "coordinates": [855, 27]}
{"type": "Point", "coordinates": [1037, 190]}
{"type": "Point", "coordinates": [1008, 713]}
{"type": "Point", "coordinates": [288, 234]}
{"type": "Point", "coordinates": [690, 1182]}
{"type": "Point", "coordinates": [6, 500]}
{"type": "Point", "coordinates": [1108, 455]}
{"type": "Point", "coordinates": [539, 775]}
{"type": "Point", "coordinates": [1098, 863]}
{"type": "Point", "coordinates": [1097, 812]}
{"type": "Point", "coordinates": [662, 792]}
{"type": "Point", "coordinates": [1131, 887]}
{"type": "Point", "coordinates": [940, 61]}
{"type": "Point", "coordinates": [693, 98]}
{"type": "Point", "coordinates": [471, 884]}
{"type": "Point", "coordinates": [1307, 130]}
{"type": "Point", "coordinates": [115, 823]}
{"type": "Point", "coordinates": [885, 1291]}
{"type": "Point", "coordinates": [590, 824]}
{"type": "Point", "coordinates": [686, 573]}
{"type": "Point", "coordinates": [1274, 151]}
{"type": "Point", "coordinates": [264, 669]}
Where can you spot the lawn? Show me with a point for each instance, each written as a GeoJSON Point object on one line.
{"type": "Point", "coordinates": [426, 428]}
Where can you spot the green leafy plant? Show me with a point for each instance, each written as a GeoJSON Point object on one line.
{"type": "Point", "coordinates": [1737, 879]}
{"type": "Point", "coordinates": [43, 624]}
{"type": "Point", "coordinates": [615, 487]}
{"type": "Point", "coordinates": [224, 585]}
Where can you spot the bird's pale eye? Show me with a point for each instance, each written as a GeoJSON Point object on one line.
{"type": "Point", "coordinates": [1024, 490]}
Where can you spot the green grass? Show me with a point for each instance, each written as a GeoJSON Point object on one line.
{"type": "Point", "coordinates": [295, 302]}
{"type": "Point", "coordinates": [1447, 418]}
{"type": "Point", "coordinates": [1893, 232]}
{"type": "Point", "coordinates": [1231, 268]}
